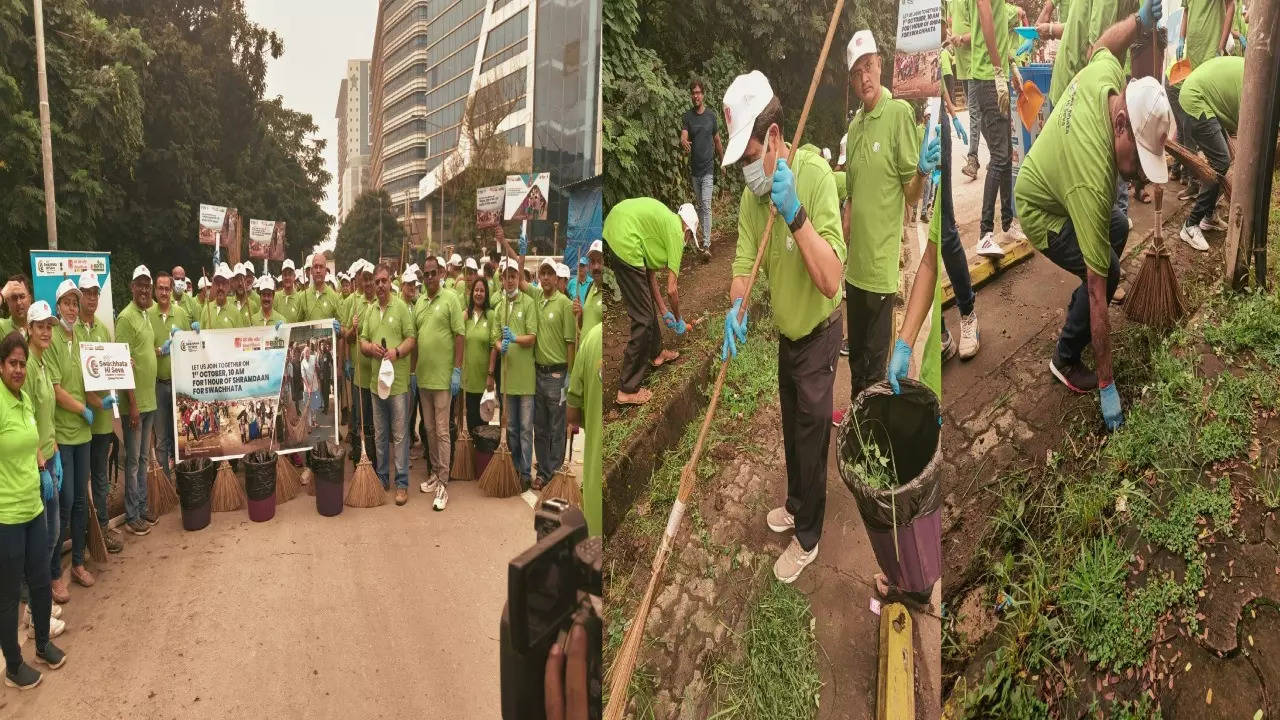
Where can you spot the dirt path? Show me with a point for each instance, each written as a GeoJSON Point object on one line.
{"type": "Point", "coordinates": [389, 612]}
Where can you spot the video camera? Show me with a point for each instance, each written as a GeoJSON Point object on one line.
{"type": "Point", "coordinates": [550, 587]}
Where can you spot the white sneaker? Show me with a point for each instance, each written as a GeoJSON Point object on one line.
{"type": "Point", "coordinates": [1015, 232]}
{"type": "Point", "coordinates": [968, 335]}
{"type": "Point", "coordinates": [55, 612]}
{"type": "Point", "coordinates": [429, 485]}
{"type": "Point", "coordinates": [442, 498]}
{"type": "Point", "coordinates": [1194, 236]}
{"type": "Point", "coordinates": [793, 560]}
{"type": "Point", "coordinates": [780, 520]}
{"type": "Point", "coordinates": [1211, 223]}
{"type": "Point", "coordinates": [56, 628]}
{"type": "Point", "coordinates": [1130, 221]}
{"type": "Point", "coordinates": [989, 248]}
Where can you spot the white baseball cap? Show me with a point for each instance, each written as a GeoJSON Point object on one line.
{"type": "Point", "coordinates": [410, 276]}
{"type": "Point", "coordinates": [307, 262]}
{"type": "Point", "coordinates": [223, 271]}
{"type": "Point", "coordinates": [366, 266]}
{"type": "Point", "coordinates": [547, 262]}
{"type": "Point", "coordinates": [862, 43]}
{"type": "Point", "coordinates": [203, 282]}
{"type": "Point", "coordinates": [439, 261]}
{"type": "Point", "coordinates": [455, 259]}
{"type": "Point", "coordinates": [690, 217]}
{"type": "Point", "coordinates": [414, 267]}
{"type": "Point", "coordinates": [239, 269]}
{"type": "Point", "coordinates": [141, 271]}
{"type": "Point", "coordinates": [64, 287]}
{"type": "Point", "coordinates": [508, 263]}
{"type": "Point", "coordinates": [355, 267]}
{"type": "Point", "coordinates": [266, 282]}
{"type": "Point", "coordinates": [596, 247]}
{"type": "Point", "coordinates": [288, 265]}
{"type": "Point", "coordinates": [844, 140]}
{"type": "Point", "coordinates": [386, 378]}
{"type": "Point", "coordinates": [744, 100]}
{"type": "Point", "coordinates": [471, 264]}
{"type": "Point", "coordinates": [38, 312]}
{"type": "Point", "coordinates": [562, 271]}
{"type": "Point", "coordinates": [333, 281]}
{"type": "Point", "coordinates": [1152, 122]}
{"type": "Point", "coordinates": [89, 279]}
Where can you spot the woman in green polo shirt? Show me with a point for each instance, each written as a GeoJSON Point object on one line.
{"type": "Point", "coordinates": [478, 353]}
{"type": "Point", "coordinates": [24, 543]}
{"type": "Point", "coordinates": [39, 388]}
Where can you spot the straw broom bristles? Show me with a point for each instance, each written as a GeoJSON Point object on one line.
{"type": "Point", "coordinates": [97, 543]}
{"type": "Point", "coordinates": [366, 489]}
{"type": "Point", "coordinates": [1154, 299]}
{"type": "Point", "coordinates": [1198, 166]}
{"type": "Point", "coordinates": [500, 478]}
{"type": "Point", "coordinates": [563, 484]}
{"type": "Point", "coordinates": [162, 494]}
{"type": "Point", "coordinates": [288, 484]}
{"type": "Point", "coordinates": [228, 493]}
{"type": "Point", "coordinates": [464, 462]}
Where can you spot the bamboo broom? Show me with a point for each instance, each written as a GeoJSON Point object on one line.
{"type": "Point", "coordinates": [1198, 166]}
{"type": "Point", "coordinates": [97, 542]}
{"type": "Point", "coordinates": [366, 489]}
{"type": "Point", "coordinates": [162, 494]}
{"type": "Point", "coordinates": [288, 483]}
{"type": "Point", "coordinates": [228, 493]}
{"type": "Point", "coordinates": [464, 462]}
{"type": "Point", "coordinates": [500, 478]}
{"type": "Point", "coordinates": [564, 484]}
{"type": "Point", "coordinates": [624, 663]}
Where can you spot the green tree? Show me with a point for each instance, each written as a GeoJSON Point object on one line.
{"type": "Point", "coordinates": [359, 235]}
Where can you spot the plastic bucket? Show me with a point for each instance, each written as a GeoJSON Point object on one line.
{"type": "Point", "coordinates": [904, 523]}
{"type": "Point", "coordinates": [326, 462]}
{"type": "Point", "coordinates": [195, 492]}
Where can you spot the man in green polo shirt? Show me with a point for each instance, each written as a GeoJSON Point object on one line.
{"type": "Point", "coordinates": [1066, 194]}
{"type": "Point", "coordinates": [17, 299]}
{"type": "Point", "coordinates": [267, 314]}
{"type": "Point", "coordinates": [1206, 25]}
{"type": "Point", "coordinates": [440, 333]}
{"type": "Point", "coordinates": [990, 70]}
{"type": "Point", "coordinates": [591, 311]}
{"type": "Point", "coordinates": [1211, 98]}
{"type": "Point", "coordinates": [552, 357]}
{"type": "Point", "coordinates": [220, 313]}
{"type": "Point", "coordinates": [515, 337]}
{"type": "Point", "coordinates": [166, 318]}
{"type": "Point", "coordinates": [362, 418]}
{"type": "Point", "coordinates": [962, 24]}
{"type": "Point", "coordinates": [288, 298]}
{"type": "Point", "coordinates": [586, 386]}
{"type": "Point", "coordinates": [139, 407]}
{"type": "Point", "coordinates": [803, 263]}
{"type": "Point", "coordinates": [102, 429]}
{"type": "Point", "coordinates": [885, 174]}
{"type": "Point", "coordinates": [387, 334]}
{"type": "Point", "coordinates": [641, 238]}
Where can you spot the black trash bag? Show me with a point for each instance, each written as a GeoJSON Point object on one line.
{"type": "Point", "coordinates": [325, 460]}
{"type": "Point", "coordinates": [906, 428]}
{"type": "Point", "coordinates": [195, 482]}
{"type": "Point", "coordinates": [485, 438]}
{"type": "Point", "coordinates": [260, 474]}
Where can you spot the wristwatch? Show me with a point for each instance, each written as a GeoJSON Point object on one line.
{"type": "Point", "coordinates": [798, 221]}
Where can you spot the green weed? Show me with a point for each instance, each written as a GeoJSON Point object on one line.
{"type": "Point", "coordinates": [1269, 484]}
{"type": "Point", "coordinates": [1219, 440]}
{"type": "Point", "coordinates": [1250, 323]}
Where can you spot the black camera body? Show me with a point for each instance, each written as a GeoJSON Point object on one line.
{"type": "Point", "coordinates": [550, 587]}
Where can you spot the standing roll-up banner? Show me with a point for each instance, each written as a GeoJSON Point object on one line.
{"type": "Point", "coordinates": [50, 267]}
{"type": "Point", "coordinates": [916, 70]}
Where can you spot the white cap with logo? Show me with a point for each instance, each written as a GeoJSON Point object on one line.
{"type": "Point", "coordinates": [141, 271]}
{"type": "Point", "coordinates": [288, 265]}
{"type": "Point", "coordinates": [223, 271]}
{"type": "Point", "coordinates": [1152, 122]}
{"type": "Point", "coordinates": [89, 279]}
{"type": "Point", "coordinates": [38, 312]}
{"type": "Point", "coordinates": [562, 271]}
{"type": "Point", "coordinates": [862, 43]}
{"type": "Point", "coordinates": [203, 283]}
{"type": "Point", "coordinates": [410, 275]}
{"type": "Point", "coordinates": [471, 264]}
{"type": "Point", "coordinates": [266, 283]}
{"type": "Point", "coordinates": [65, 287]}
{"type": "Point", "coordinates": [744, 100]}
{"type": "Point", "coordinates": [455, 259]}
{"type": "Point", "coordinates": [596, 247]}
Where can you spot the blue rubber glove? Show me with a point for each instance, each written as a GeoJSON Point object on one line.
{"type": "Point", "coordinates": [1025, 47]}
{"type": "Point", "coordinates": [679, 328]}
{"type": "Point", "coordinates": [734, 331]}
{"type": "Point", "coordinates": [1149, 14]}
{"type": "Point", "coordinates": [1112, 415]}
{"type": "Point", "coordinates": [57, 470]}
{"type": "Point", "coordinates": [1243, 46]}
{"type": "Point", "coordinates": [523, 244]}
{"type": "Point", "coordinates": [898, 364]}
{"type": "Point", "coordinates": [960, 132]}
{"type": "Point", "coordinates": [108, 402]}
{"type": "Point", "coordinates": [783, 192]}
{"type": "Point", "coordinates": [669, 318]}
{"type": "Point", "coordinates": [930, 156]}
{"type": "Point", "coordinates": [47, 490]}
{"type": "Point", "coordinates": [1182, 47]}
{"type": "Point", "coordinates": [337, 327]}
{"type": "Point", "coordinates": [278, 324]}
{"type": "Point", "coordinates": [173, 331]}
{"type": "Point", "coordinates": [506, 343]}
{"type": "Point", "coordinates": [164, 349]}
{"type": "Point", "coordinates": [196, 327]}
{"type": "Point", "coordinates": [350, 371]}
{"type": "Point", "coordinates": [87, 414]}
{"type": "Point", "coordinates": [507, 335]}
{"type": "Point", "coordinates": [455, 382]}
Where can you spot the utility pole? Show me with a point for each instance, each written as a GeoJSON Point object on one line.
{"type": "Point", "coordinates": [46, 141]}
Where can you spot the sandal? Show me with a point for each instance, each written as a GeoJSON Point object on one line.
{"type": "Point", "coordinates": [664, 357]}
{"type": "Point", "coordinates": [639, 397]}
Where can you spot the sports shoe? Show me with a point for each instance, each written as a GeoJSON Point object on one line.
{"type": "Point", "coordinates": [970, 168]}
{"type": "Point", "coordinates": [948, 346]}
{"type": "Point", "coordinates": [1015, 231]}
{"type": "Point", "coordinates": [52, 656]}
{"type": "Point", "coordinates": [56, 627]}
{"type": "Point", "coordinates": [402, 496]}
{"type": "Point", "coordinates": [428, 486]}
{"type": "Point", "coordinates": [1210, 223]}
{"type": "Point", "coordinates": [837, 416]}
{"type": "Point", "coordinates": [55, 612]}
{"type": "Point", "coordinates": [82, 576]}
{"type": "Point", "coordinates": [989, 248]}
{"type": "Point", "coordinates": [24, 678]}
{"type": "Point", "coordinates": [1130, 221]}
{"type": "Point", "coordinates": [138, 527]}
{"type": "Point", "coordinates": [792, 561]}
{"type": "Point", "coordinates": [1193, 236]}
{"type": "Point", "coordinates": [1076, 377]}
{"type": "Point", "coordinates": [780, 520]}
{"type": "Point", "coordinates": [844, 348]}
{"type": "Point", "coordinates": [442, 498]}
{"type": "Point", "coordinates": [150, 518]}
{"type": "Point", "coordinates": [1192, 191]}
{"type": "Point", "coordinates": [968, 336]}
{"type": "Point", "coordinates": [111, 538]}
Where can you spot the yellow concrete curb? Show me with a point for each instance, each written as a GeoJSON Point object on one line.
{"type": "Point", "coordinates": [982, 269]}
{"type": "Point", "coordinates": [896, 687]}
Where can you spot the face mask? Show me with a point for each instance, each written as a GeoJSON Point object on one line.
{"type": "Point", "coordinates": [754, 175]}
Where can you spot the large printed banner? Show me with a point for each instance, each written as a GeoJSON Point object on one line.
{"type": "Point", "coordinates": [526, 196]}
{"type": "Point", "coordinates": [239, 391]}
{"type": "Point", "coordinates": [916, 72]}
{"type": "Point", "coordinates": [50, 267]}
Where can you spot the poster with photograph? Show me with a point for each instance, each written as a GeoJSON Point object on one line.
{"type": "Point", "coordinates": [526, 196]}
{"type": "Point", "coordinates": [489, 204]}
{"type": "Point", "coordinates": [241, 390]}
{"type": "Point", "coordinates": [212, 219]}
{"type": "Point", "coordinates": [266, 240]}
{"type": "Point", "coordinates": [916, 69]}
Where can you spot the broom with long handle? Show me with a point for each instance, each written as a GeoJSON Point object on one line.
{"type": "Point", "coordinates": [564, 484]}
{"type": "Point", "coordinates": [366, 489]}
{"type": "Point", "coordinates": [500, 478]}
{"type": "Point", "coordinates": [97, 542]}
{"type": "Point", "coordinates": [624, 663]}
{"type": "Point", "coordinates": [464, 463]}
{"type": "Point", "coordinates": [1198, 166]}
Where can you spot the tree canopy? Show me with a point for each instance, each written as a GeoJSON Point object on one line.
{"type": "Point", "coordinates": [359, 237]}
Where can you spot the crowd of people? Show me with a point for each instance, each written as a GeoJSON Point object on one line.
{"type": "Point", "coordinates": [452, 333]}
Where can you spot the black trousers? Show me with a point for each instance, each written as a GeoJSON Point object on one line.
{"type": "Point", "coordinates": [646, 336]}
{"type": "Point", "coordinates": [870, 331]}
{"type": "Point", "coordinates": [806, 383]}
{"type": "Point", "coordinates": [24, 556]}
{"type": "Point", "coordinates": [1064, 251]}
{"type": "Point", "coordinates": [473, 410]}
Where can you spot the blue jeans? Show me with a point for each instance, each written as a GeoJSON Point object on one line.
{"type": "Point", "coordinates": [135, 470]}
{"type": "Point", "coordinates": [702, 187]}
{"type": "Point", "coordinates": [164, 426]}
{"type": "Point", "coordinates": [520, 434]}
{"type": "Point", "coordinates": [53, 531]}
{"type": "Point", "coordinates": [1209, 137]}
{"type": "Point", "coordinates": [99, 452]}
{"type": "Point", "coordinates": [995, 125]}
{"type": "Point", "coordinates": [75, 498]}
{"type": "Point", "coordinates": [975, 115]}
{"type": "Point", "coordinates": [549, 422]}
{"type": "Point", "coordinates": [390, 428]}
{"type": "Point", "coordinates": [1064, 251]}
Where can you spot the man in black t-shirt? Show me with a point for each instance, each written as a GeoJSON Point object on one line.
{"type": "Point", "coordinates": [698, 137]}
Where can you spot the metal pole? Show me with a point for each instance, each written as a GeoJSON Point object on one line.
{"type": "Point", "coordinates": [46, 141]}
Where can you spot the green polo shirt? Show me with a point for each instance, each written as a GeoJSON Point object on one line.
{"type": "Point", "coordinates": [557, 328]}
{"type": "Point", "coordinates": [1073, 48]}
{"type": "Point", "coordinates": [103, 420]}
{"type": "Point", "coordinates": [882, 153]}
{"type": "Point", "coordinates": [257, 320]}
{"type": "Point", "coordinates": [980, 60]}
{"type": "Point", "coordinates": [593, 308]}
{"type": "Point", "coordinates": [288, 305]}
{"type": "Point", "coordinates": [1213, 90]}
{"type": "Point", "coordinates": [1204, 30]}
{"type": "Point", "coordinates": [161, 325]}
{"type": "Point", "coordinates": [6, 326]}
{"type": "Point", "coordinates": [1103, 15]}
{"type": "Point", "coordinates": [643, 233]}
{"type": "Point", "coordinates": [39, 387]}
{"type": "Point", "coordinates": [63, 361]}
{"type": "Point", "coordinates": [790, 285]}
{"type": "Point", "coordinates": [187, 303]}
{"type": "Point", "coordinates": [439, 321]}
{"type": "Point", "coordinates": [134, 328]}
{"type": "Point", "coordinates": [1070, 172]}
{"type": "Point", "coordinates": [364, 369]}
{"type": "Point", "coordinates": [220, 317]}
{"type": "Point", "coordinates": [318, 305]}
{"type": "Point", "coordinates": [20, 500]}
{"type": "Point", "coordinates": [479, 331]}
{"type": "Point", "coordinates": [585, 390]}
{"type": "Point", "coordinates": [389, 326]}
{"type": "Point", "coordinates": [961, 23]}
{"type": "Point", "coordinates": [521, 315]}
{"type": "Point", "coordinates": [245, 308]}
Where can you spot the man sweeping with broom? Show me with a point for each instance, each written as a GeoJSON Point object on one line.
{"type": "Point", "coordinates": [1066, 194]}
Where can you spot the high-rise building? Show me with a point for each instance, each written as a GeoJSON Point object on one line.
{"type": "Point", "coordinates": [353, 135]}
{"type": "Point", "coordinates": [429, 58]}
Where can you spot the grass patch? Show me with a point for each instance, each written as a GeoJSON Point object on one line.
{"type": "Point", "coordinates": [1250, 324]}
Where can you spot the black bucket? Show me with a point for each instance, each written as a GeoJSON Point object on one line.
{"type": "Point", "coordinates": [260, 484]}
{"type": "Point", "coordinates": [326, 463]}
{"type": "Point", "coordinates": [195, 491]}
{"type": "Point", "coordinates": [906, 428]}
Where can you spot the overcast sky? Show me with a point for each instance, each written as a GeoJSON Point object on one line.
{"type": "Point", "coordinates": [319, 37]}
